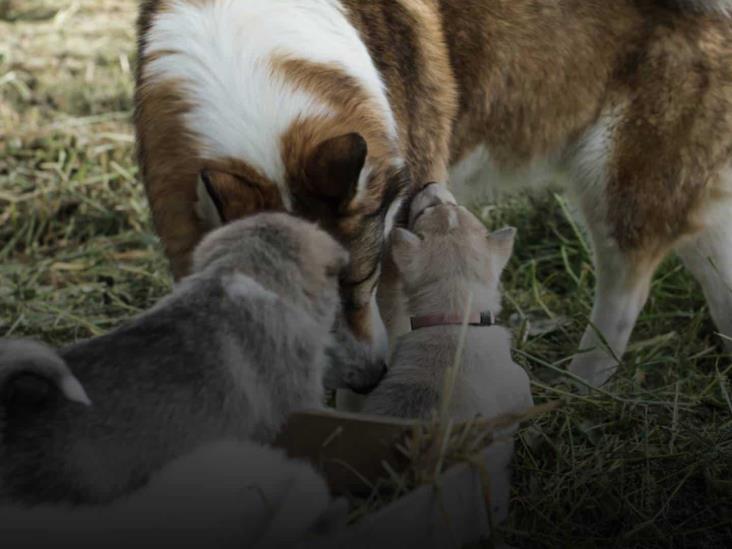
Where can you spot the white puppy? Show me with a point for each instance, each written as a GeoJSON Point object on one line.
{"type": "Point", "coordinates": [447, 264]}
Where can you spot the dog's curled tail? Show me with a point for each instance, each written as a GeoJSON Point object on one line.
{"type": "Point", "coordinates": [723, 7]}
{"type": "Point", "coordinates": [31, 371]}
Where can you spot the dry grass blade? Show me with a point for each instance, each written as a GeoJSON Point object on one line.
{"type": "Point", "coordinates": [433, 447]}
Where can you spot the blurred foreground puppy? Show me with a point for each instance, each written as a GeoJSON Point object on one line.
{"type": "Point", "coordinates": [237, 347]}
{"type": "Point", "coordinates": [449, 257]}
{"type": "Point", "coordinates": [227, 494]}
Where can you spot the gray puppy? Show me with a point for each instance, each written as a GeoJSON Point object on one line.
{"type": "Point", "coordinates": [237, 347]}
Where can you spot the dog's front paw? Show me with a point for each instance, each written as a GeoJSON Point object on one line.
{"type": "Point", "coordinates": [594, 369]}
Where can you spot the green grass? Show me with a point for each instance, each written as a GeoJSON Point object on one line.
{"type": "Point", "coordinates": [77, 252]}
{"type": "Point", "coordinates": [646, 463]}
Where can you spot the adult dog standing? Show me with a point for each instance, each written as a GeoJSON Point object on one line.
{"type": "Point", "coordinates": [333, 108]}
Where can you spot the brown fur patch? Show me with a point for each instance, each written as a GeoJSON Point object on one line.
{"type": "Point", "coordinates": [170, 165]}
{"type": "Point", "coordinates": [676, 134]}
{"type": "Point", "coordinates": [357, 111]}
{"type": "Point", "coordinates": [406, 42]}
{"type": "Point", "coordinates": [167, 154]}
{"type": "Point", "coordinates": [534, 75]}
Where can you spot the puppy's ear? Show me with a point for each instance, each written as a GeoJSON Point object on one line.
{"type": "Point", "coordinates": [30, 374]}
{"type": "Point", "coordinates": [334, 168]}
{"type": "Point", "coordinates": [501, 244]}
{"type": "Point", "coordinates": [404, 247]}
{"type": "Point", "coordinates": [223, 197]}
{"type": "Point", "coordinates": [29, 389]}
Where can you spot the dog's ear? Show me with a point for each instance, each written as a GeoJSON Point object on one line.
{"type": "Point", "coordinates": [333, 170]}
{"type": "Point", "coordinates": [501, 244]}
{"type": "Point", "coordinates": [208, 202]}
{"type": "Point", "coordinates": [223, 197]}
{"type": "Point", "coordinates": [404, 246]}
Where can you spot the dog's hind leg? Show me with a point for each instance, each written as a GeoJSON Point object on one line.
{"type": "Point", "coordinates": [633, 221]}
{"type": "Point", "coordinates": [708, 256]}
{"type": "Point", "coordinates": [622, 284]}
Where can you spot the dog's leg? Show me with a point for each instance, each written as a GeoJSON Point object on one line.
{"type": "Point", "coordinates": [623, 273]}
{"type": "Point", "coordinates": [621, 289]}
{"type": "Point", "coordinates": [708, 256]}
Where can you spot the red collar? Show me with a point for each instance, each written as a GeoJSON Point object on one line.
{"type": "Point", "coordinates": [486, 318]}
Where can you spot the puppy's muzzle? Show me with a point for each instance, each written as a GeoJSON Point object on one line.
{"type": "Point", "coordinates": [363, 385]}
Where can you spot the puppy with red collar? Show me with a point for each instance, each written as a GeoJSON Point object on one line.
{"type": "Point", "coordinates": [450, 267]}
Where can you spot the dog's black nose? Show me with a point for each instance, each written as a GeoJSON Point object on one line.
{"type": "Point", "coordinates": [364, 389]}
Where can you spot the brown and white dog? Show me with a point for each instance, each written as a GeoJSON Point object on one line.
{"type": "Point", "coordinates": [330, 108]}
